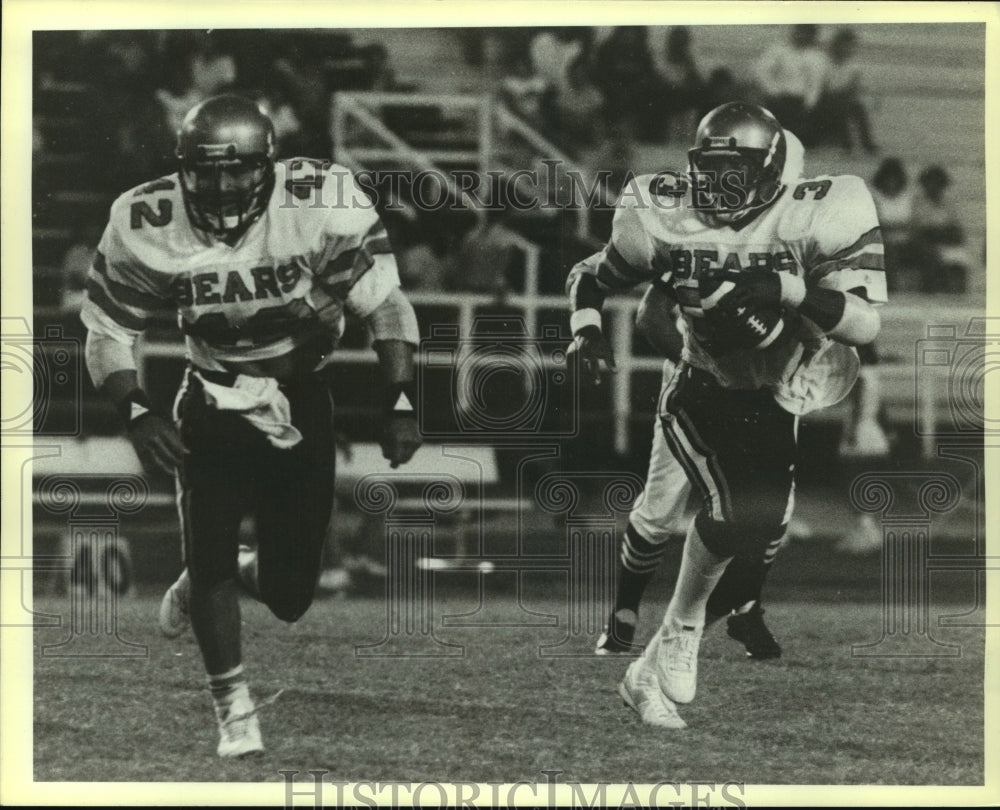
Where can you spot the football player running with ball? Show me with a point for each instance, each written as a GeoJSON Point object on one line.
{"type": "Point", "coordinates": [260, 259]}
{"type": "Point", "coordinates": [776, 283]}
{"type": "Point", "coordinates": [660, 512]}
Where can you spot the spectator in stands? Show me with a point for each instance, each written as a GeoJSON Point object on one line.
{"type": "Point", "coordinates": [841, 108]}
{"type": "Point", "coordinates": [424, 248]}
{"type": "Point", "coordinates": [76, 264]}
{"type": "Point", "coordinates": [276, 101]}
{"type": "Point", "coordinates": [939, 241]}
{"type": "Point", "coordinates": [199, 67]}
{"type": "Point", "coordinates": [721, 88]}
{"type": "Point", "coordinates": [632, 90]}
{"type": "Point", "coordinates": [683, 85]}
{"type": "Point", "coordinates": [791, 77]}
{"type": "Point", "coordinates": [576, 121]}
{"type": "Point", "coordinates": [487, 257]}
{"type": "Point", "coordinates": [894, 204]}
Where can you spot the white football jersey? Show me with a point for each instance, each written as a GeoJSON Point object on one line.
{"type": "Point", "coordinates": [823, 229]}
{"type": "Point", "coordinates": [249, 300]}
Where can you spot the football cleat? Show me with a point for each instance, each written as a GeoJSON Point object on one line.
{"type": "Point", "coordinates": [618, 634]}
{"type": "Point", "coordinates": [174, 615]}
{"type": "Point", "coordinates": [673, 653]}
{"type": "Point", "coordinates": [239, 729]}
{"type": "Point", "coordinates": [641, 692]}
{"type": "Point", "coordinates": [749, 628]}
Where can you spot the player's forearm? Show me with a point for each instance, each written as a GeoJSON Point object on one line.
{"type": "Point", "coordinates": [586, 300]}
{"type": "Point", "coordinates": [107, 357]}
{"type": "Point", "coordinates": [396, 334]}
{"type": "Point", "coordinates": [842, 315]}
{"type": "Point", "coordinates": [656, 320]}
{"type": "Point", "coordinates": [395, 359]}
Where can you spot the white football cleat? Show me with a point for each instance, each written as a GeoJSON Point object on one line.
{"type": "Point", "coordinates": [174, 615]}
{"type": "Point", "coordinates": [239, 729]}
{"type": "Point", "coordinates": [673, 653]}
{"type": "Point", "coordinates": [641, 692]}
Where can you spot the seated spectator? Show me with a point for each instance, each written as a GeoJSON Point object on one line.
{"type": "Point", "coordinates": [424, 247]}
{"type": "Point", "coordinates": [576, 115]}
{"type": "Point", "coordinates": [632, 90]}
{"type": "Point", "coordinates": [791, 77]}
{"type": "Point", "coordinates": [487, 257]}
{"type": "Point", "coordinates": [683, 86]}
{"type": "Point", "coordinates": [722, 88]}
{"type": "Point", "coordinates": [76, 264]}
{"type": "Point", "coordinates": [840, 107]}
{"type": "Point", "coordinates": [939, 241]}
{"type": "Point", "coordinates": [894, 205]}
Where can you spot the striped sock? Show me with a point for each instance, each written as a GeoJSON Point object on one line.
{"type": "Point", "coordinates": [227, 686]}
{"type": "Point", "coordinates": [639, 560]}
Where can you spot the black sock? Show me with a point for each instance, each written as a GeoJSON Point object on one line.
{"type": "Point", "coordinates": [639, 560]}
{"type": "Point", "coordinates": [742, 582]}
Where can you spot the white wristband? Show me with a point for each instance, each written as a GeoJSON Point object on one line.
{"type": "Point", "coordinates": [584, 317]}
{"type": "Point", "coordinates": [793, 289]}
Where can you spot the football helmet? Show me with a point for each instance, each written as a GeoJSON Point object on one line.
{"type": "Point", "coordinates": [226, 151]}
{"type": "Point", "coordinates": [737, 161]}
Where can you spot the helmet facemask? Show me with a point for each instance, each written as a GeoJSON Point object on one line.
{"type": "Point", "coordinates": [730, 183]}
{"type": "Point", "coordinates": [224, 192]}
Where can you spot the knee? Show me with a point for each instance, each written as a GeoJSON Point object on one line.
{"type": "Point", "coordinates": [289, 607]}
{"type": "Point", "coordinates": [729, 539]}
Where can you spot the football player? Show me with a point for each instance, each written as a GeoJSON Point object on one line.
{"type": "Point", "coordinates": [660, 514]}
{"type": "Point", "coordinates": [259, 259]}
{"type": "Point", "coordinates": [776, 283]}
{"type": "Point", "coordinates": [661, 509]}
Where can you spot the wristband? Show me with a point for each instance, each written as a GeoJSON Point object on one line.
{"type": "Point", "coordinates": [824, 307]}
{"type": "Point", "coordinates": [583, 318]}
{"type": "Point", "coordinates": [400, 399]}
{"type": "Point", "coordinates": [134, 406]}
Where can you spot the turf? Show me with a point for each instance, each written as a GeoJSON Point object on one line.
{"type": "Point", "coordinates": [503, 711]}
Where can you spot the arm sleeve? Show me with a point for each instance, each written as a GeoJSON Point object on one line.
{"type": "Point", "coordinates": [847, 242]}
{"type": "Point", "coordinates": [357, 266]}
{"type": "Point", "coordinates": [122, 293]}
{"type": "Point", "coordinates": [394, 319]}
{"type": "Point", "coordinates": [627, 260]}
{"type": "Point", "coordinates": [121, 296]}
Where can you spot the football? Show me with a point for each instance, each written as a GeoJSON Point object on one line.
{"type": "Point", "coordinates": [737, 322]}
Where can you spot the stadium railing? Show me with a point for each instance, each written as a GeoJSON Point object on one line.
{"type": "Point", "coordinates": [357, 118]}
{"type": "Point", "coordinates": [919, 388]}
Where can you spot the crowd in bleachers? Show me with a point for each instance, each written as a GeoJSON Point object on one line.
{"type": "Point", "coordinates": [650, 82]}
{"type": "Point", "coordinates": [592, 92]}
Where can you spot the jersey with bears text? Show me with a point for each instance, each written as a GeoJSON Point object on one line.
{"type": "Point", "coordinates": [823, 229]}
{"type": "Point", "coordinates": [318, 239]}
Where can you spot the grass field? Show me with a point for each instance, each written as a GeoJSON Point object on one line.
{"type": "Point", "coordinates": [501, 711]}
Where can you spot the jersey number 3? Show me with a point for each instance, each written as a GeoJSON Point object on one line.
{"type": "Point", "coordinates": [818, 187]}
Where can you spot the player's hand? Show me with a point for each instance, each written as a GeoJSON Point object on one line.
{"type": "Point", "coordinates": [751, 292]}
{"type": "Point", "coordinates": [157, 443]}
{"type": "Point", "coordinates": [593, 349]}
{"type": "Point", "coordinates": [400, 439]}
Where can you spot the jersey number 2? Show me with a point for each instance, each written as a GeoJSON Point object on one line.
{"type": "Point", "coordinates": [141, 211]}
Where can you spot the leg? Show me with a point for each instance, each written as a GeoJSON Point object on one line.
{"type": "Point", "coordinates": [657, 516]}
{"type": "Point", "coordinates": [738, 448]}
{"type": "Point", "coordinates": [213, 498]}
{"type": "Point", "coordinates": [294, 505]}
